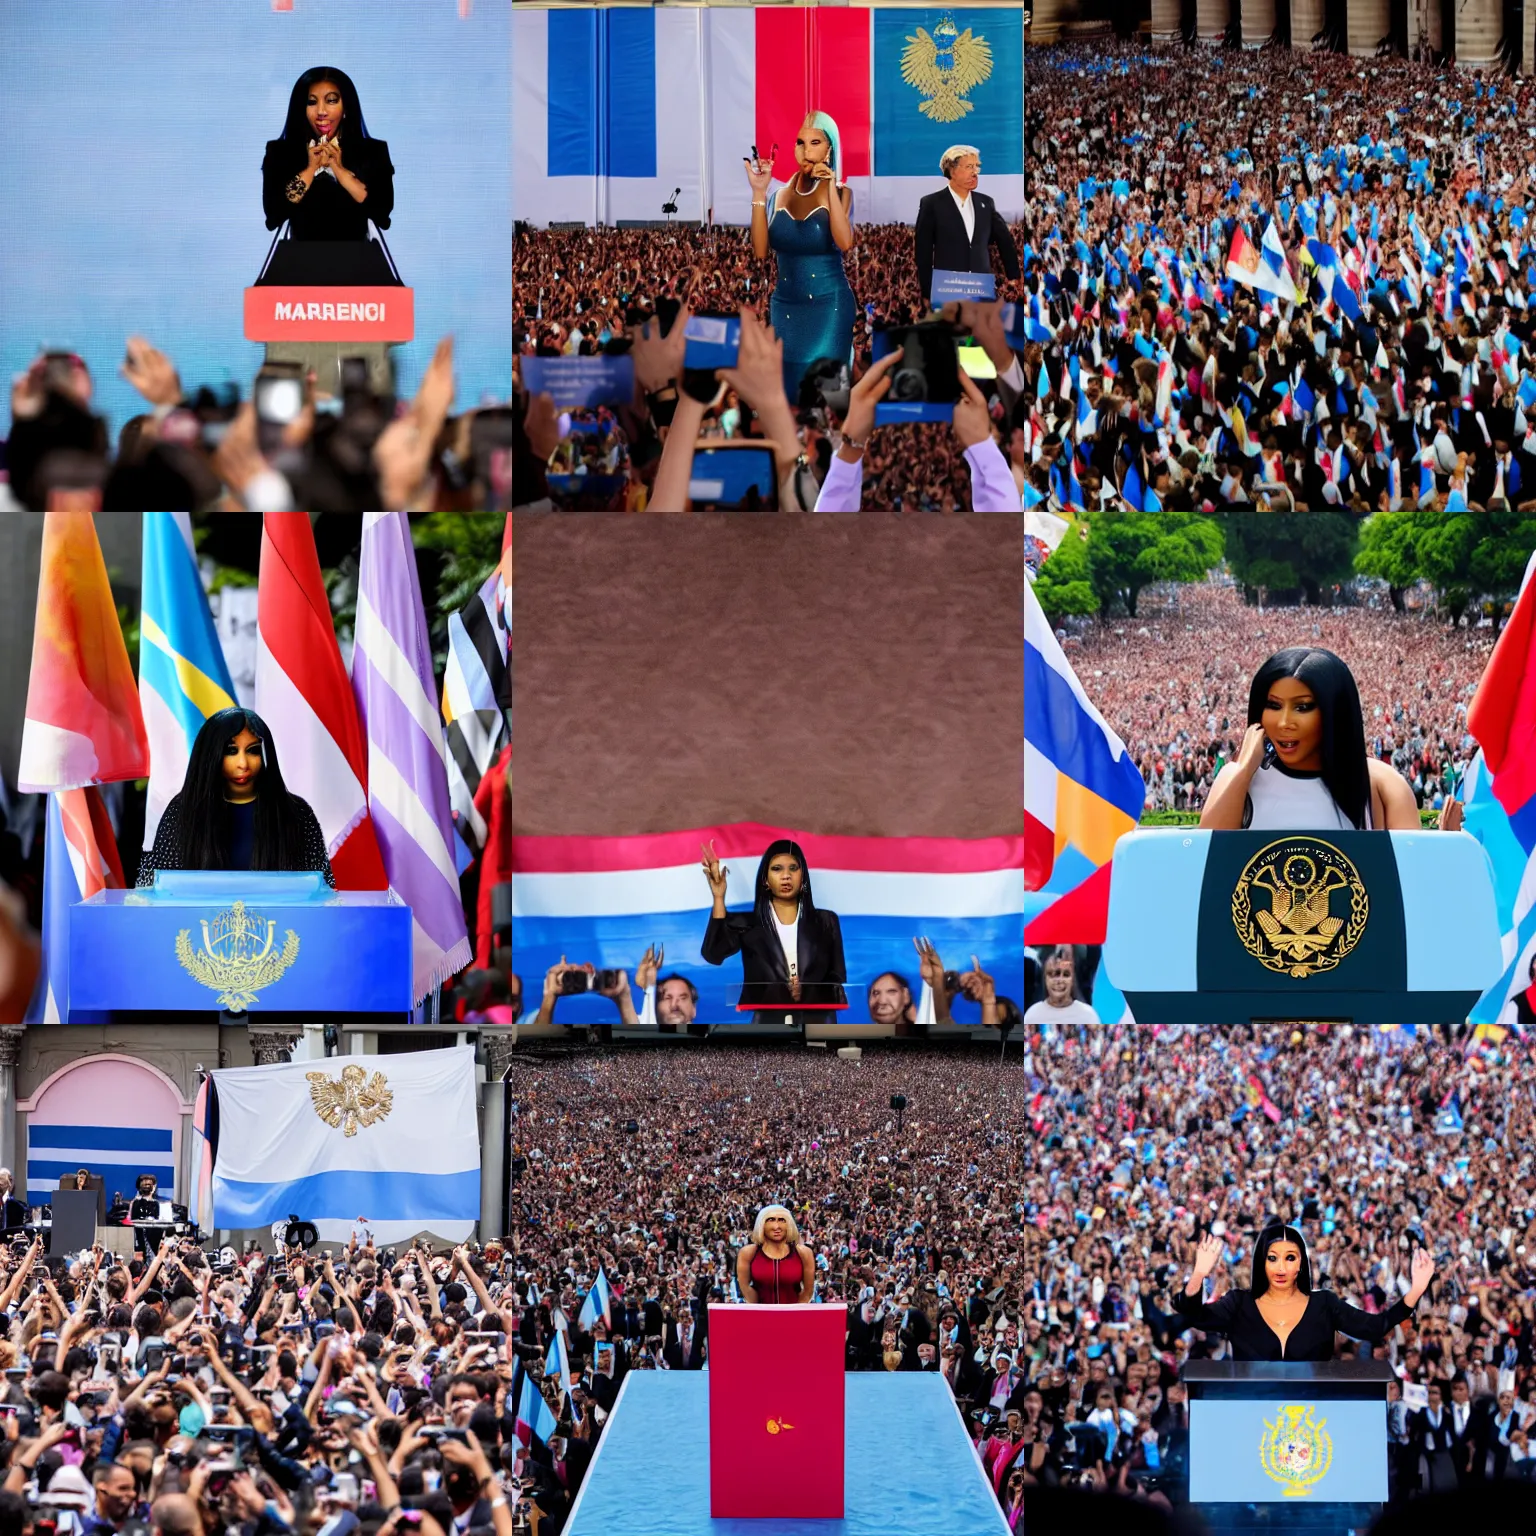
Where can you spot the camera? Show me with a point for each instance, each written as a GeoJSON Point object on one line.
{"type": "Point", "coordinates": [587, 981]}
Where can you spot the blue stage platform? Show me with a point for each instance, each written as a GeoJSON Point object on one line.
{"type": "Point", "coordinates": [911, 1469]}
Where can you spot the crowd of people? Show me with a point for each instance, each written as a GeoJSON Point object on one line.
{"type": "Point", "coordinates": [892, 998]}
{"type": "Point", "coordinates": [591, 291]}
{"type": "Point", "coordinates": [1390, 197]}
{"type": "Point", "coordinates": [1173, 682]}
{"type": "Point", "coordinates": [655, 1163]}
{"type": "Point", "coordinates": [1148, 1139]}
{"type": "Point", "coordinates": [195, 449]}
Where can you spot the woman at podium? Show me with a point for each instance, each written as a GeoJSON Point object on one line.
{"type": "Point", "coordinates": [776, 1268]}
{"type": "Point", "coordinates": [1279, 1316]}
{"type": "Point", "coordinates": [1302, 766]}
{"type": "Point", "coordinates": [233, 810]}
{"type": "Point", "coordinates": [327, 178]}
{"type": "Point", "coordinates": [791, 950]}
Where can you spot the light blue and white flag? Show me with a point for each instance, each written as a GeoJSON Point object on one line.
{"type": "Point", "coordinates": [391, 1139]}
{"type": "Point", "coordinates": [183, 677]}
{"type": "Point", "coordinates": [557, 1364]}
{"type": "Point", "coordinates": [598, 1305]}
{"type": "Point", "coordinates": [119, 1153]}
{"type": "Point", "coordinates": [396, 694]}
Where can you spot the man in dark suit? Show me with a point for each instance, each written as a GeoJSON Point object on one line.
{"type": "Point", "coordinates": [1510, 471]}
{"type": "Point", "coordinates": [957, 227]}
{"type": "Point", "coordinates": [1433, 1437]}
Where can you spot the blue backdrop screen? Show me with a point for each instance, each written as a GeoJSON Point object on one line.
{"type": "Point", "coordinates": [132, 167]}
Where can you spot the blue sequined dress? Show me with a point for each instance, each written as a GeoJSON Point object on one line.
{"type": "Point", "coordinates": [812, 306]}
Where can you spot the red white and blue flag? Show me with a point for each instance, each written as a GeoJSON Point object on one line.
{"type": "Point", "coordinates": [606, 899]}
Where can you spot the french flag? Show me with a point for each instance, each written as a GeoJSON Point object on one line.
{"type": "Point", "coordinates": [304, 694]}
{"type": "Point", "coordinates": [606, 899]}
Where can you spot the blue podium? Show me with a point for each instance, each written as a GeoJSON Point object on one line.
{"type": "Point", "coordinates": [1369, 927]}
{"type": "Point", "coordinates": [1287, 1444]}
{"type": "Point", "coordinates": [256, 943]}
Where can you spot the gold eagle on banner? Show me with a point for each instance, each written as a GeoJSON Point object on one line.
{"type": "Point", "coordinates": [354, 1100]}
{"type": "Point", "coordinates": [945, 67]}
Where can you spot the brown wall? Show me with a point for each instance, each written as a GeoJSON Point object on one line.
{"type": "Point", "coordinates": [846, 675]}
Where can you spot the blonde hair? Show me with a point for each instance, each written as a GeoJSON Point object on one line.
{"type": "Point", "coordinates": [766, 1214]}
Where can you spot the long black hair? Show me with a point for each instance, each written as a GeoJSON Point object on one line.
{"type": "Point", "coordinates": [1279, 1232]}
{"type": "Point", "coordinates": [763, 902]}
{"type": "Point", "coordinates": [278, 841]}
{"type": "Point", "coordinates": [297, 130]}
{"type": "Point", "coordinates": [1345, 773]}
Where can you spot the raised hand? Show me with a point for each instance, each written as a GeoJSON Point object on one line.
{"type": "Point", "coordinates": [759, 173]}
{"type": "Point", "coordinates": [1207, 1255]}
{"type": "Point", "coordinates": [714, 870]}
{"type": "Point", "coordinates": [650, 964]}
{"type": "Point", "coordinates": [972, 421]}
{"type": "Point", "coordinates": [929, 965]}
{"type": "Point", "coordinates": [866, 395]}
{"type": "Point", "coordinates": [1422, 1272]}
{"type": "Point", "coordinates": [151, 372]}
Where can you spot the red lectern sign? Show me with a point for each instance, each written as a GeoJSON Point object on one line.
{"type": "Point", "coordinates": [776, 1412]}
{"type": "Point", "coordinates": [330, 314]}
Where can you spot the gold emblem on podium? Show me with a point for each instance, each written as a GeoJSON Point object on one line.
{"type": "Point", "coordinates": [944, 67]}
{"type": "Point", "coordinates": [775, 1425]}
{"type": "Point", "coordinates": [1300, 932]}
{"type": "Point", "coordinates": [351, 1100]}
{"type": "Point", "coordinates": [1296, 1450]}
{"type": "Point", "coordinates": [237, 956]}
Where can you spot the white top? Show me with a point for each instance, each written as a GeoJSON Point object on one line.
{"type": "Point", "coordinates": [967, 207]}
{"type": "Point", "coordinates": [1074, 1013]}
{"type": "Point", "coordinates": [789, 938]}
{"type": "Point", "coordinates": [1280, 799]}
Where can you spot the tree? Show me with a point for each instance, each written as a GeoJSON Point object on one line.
{"type": "Point", "coordinates": [1131, 550]}
{"type": "Point", "coordinates": [1501, 556]}
{"type": "Point", "coordinates": [1389, 551]}
{"type": "Point", "coordinates": [1446, 545]}
{"type": "Point", "coordinates": [1064, 585]}
{"type": "Point", "coordinates": [1287, 554]}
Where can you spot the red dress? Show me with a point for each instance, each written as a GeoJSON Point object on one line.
{"type": "Point", "coordinates": [777, 1280]}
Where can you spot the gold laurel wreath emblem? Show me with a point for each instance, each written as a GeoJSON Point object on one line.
{"type": "Point", "coordinates": [1296, 1450]}
{"type": "Point", "coordinates": [351, 1100]}
{"type": "Point", "coordinates": [237, 958]}
{"type": "Point", "coordinates": [1299, 936]}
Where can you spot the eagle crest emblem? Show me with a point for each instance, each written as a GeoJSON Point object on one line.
{"type": "Point", "coordinates": [1296, 1450]}
{"type": "Point", "coordinates": [1300, 934]}
{"type": "Point", "coordinates": [945, 67]}
{"type": "Point", "coordinates": [237, 958]}
{"type": "Point", "coordinates": [352, 1100]}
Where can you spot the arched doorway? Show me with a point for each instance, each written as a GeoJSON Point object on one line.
{"type": "Point", "coordinates": [112, 1114]}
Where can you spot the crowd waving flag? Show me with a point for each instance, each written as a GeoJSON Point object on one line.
{"type": "Point", "coordinates": [396, 692]}
{"type": "Point", "coordinates": [183, 677]}
{"type": "Point", "coordinates": [1082, 791]}
{"type": "Point", "coordinates": [83, 727]}
{"type": "Point", "coordinates": [305, 696]}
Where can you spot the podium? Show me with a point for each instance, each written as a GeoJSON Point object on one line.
{"type": "Point", "coordinates": [1297, 1444]}
{"type": "Point", "coordinates": [1368, 927]}
{"type": "Point", "coordinates": [74, 1219]}
{"type": "Point", "coordinates": [651, 1472]}
{"type": "Point", "coordinates": [255, 942]}
{"type": "Point", "coordinates": [776, 1411]}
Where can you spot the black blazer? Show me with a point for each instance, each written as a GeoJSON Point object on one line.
{"type": "Point", "coordinates": [765, 976]}
{"type": "Point", "coordinates": [327, 211]}
{"type": "Point", "coordinates": [1237, 1315]}
{"type": "Point", "coordinates": [941, 242]}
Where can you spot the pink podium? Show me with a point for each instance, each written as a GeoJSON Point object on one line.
{"type": "Point", "coordinates": [776, 1411]}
